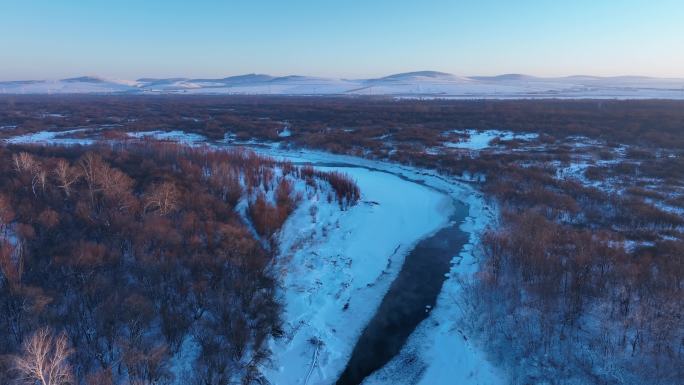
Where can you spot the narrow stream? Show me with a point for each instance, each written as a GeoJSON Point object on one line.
{"type": "Point", "coordinates": [408, 301]}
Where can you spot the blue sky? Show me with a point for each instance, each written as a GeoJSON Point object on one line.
{"type": "Point", "coordinates": [205, 38]}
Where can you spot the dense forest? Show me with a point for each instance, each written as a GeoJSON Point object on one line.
{"type": "Point", "coordinates": [338, 123]}
{"type": "Point", "coordinates": [120, 263]}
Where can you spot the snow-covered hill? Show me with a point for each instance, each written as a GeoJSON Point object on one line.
{"type": "Point", "coordinates": [410, 84]}
{"type": "Point", "coordinates": [79, 85]}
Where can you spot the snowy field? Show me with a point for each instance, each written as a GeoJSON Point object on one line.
{"type": "Point", "coordinates": [51, 138]}
{"type": "Point", "coordinates": [479, 140]}
{"type": "Point", "coordinates": [172, 136]}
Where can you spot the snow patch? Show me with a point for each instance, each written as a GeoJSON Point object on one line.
{"type": "Point", "coordinates": [51, 137]}
{"type": "Point", "coordinates": [172, 136]}
{"type": "Point", "coordinates": [479, 140]}
{"type": "Point", "coordinates": [285, 133]}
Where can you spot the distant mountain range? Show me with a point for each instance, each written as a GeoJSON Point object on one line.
{"type": "Point", "coordinates": [410, 84]}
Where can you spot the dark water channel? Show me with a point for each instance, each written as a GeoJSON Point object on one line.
{"type": "Point", "coordinates": [414, 291]}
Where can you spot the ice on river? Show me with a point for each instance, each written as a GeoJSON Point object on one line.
{"type": "Point", "coordinates": [339, 266]}
{"type": "Point", "coordinates": [331, 267]}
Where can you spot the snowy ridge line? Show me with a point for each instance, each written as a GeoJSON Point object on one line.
{"type": "Point", "coordinates": [412, 84]}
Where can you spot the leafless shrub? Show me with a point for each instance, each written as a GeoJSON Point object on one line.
{"type": "Point", "coordinates": [45, 360]}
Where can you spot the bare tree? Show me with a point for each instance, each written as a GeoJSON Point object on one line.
{"type": "Point", "coordinates": [45, 360]}
{"type": "Point", "coordinates": [66, 175]}
{"type": "Point", "coordinates": [39, 179]}
{"type": "Point", "coordinates": [89, 163]}
{"type": "Point", "coordinates": [24, 162]}
{"type": "Point", "coordinates": [163, 197]}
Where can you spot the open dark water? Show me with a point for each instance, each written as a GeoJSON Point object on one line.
{"type": "Point", "coordinates": [414, 291]}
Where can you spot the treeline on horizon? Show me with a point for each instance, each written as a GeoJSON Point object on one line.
{"type": "Point", "coordinates": [321, 121]}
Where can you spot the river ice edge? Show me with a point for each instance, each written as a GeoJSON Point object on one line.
{"type": "Point", "coordinates": [437, 352]}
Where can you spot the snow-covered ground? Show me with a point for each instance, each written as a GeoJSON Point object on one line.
{"type": "Point", "coordinates": [438, 351]}
{"type": "Point", "coordinates": [173, 136]}
{"type": "Point", "coordinates": [339, 264]}
{"type": "Point", "coordinates": [51, 137]}
{"type": "Point", "coordinates": [319, 286]}
{"type": "Point", "coordinates": [285, 133]}
{"type": "Point", "coordinates": [479, 140]}
{"type": "Point", "coordinates": [66, 137]}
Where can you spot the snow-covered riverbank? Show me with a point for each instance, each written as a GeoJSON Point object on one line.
{"type": "Point", "coordinates": [339, 264]}
{"type": "Point", "coordinates": [437, 352]}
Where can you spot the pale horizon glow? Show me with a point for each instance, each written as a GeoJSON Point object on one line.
{"type": "Point", "coordinates": [128, 39]}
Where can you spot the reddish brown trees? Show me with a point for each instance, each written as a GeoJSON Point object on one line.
{"type": "Point", "coordinates": [162, 197]}
{"type": "Point", "coordinates": [131, 252]}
